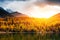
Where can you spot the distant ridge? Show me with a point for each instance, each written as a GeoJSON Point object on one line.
{"type": "Point", "coordinates": [17, 14]}
{"type": "Point", "coordinates": [4, 13]}
{"type": "Point", "coordinates": [56, 16]}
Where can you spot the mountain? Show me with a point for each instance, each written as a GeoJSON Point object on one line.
{"type": "Point", "coordinates": [9, 10]}
{"type": "Point", "coordinates": [17, 14]}
{"type": "Point", "coordinates": [4, 13]}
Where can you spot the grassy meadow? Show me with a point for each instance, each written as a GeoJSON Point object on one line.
{"type": "Point", "coordinates": [26, 24]}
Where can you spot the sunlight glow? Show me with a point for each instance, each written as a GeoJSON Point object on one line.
{"type": "Point", "coordinates": [44, 12]}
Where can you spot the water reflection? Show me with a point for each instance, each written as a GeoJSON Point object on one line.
{"type": "Point", "coordinates": [27, 36]}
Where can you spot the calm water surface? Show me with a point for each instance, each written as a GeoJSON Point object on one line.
{"type": "Point", "coordinates": [27, 36]}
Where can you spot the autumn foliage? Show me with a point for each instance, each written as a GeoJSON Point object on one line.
{"type": "Point", "coordinates": [27, 24]}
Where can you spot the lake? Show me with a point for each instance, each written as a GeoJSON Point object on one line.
{"type": "Point", "coordinates": [29, 36]}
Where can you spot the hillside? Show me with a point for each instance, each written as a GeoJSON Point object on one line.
{"type": "Point", "coordinates": [54, 19]}
{"type": "Point", "coordinates": [19, 22]}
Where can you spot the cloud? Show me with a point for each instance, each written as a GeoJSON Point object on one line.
{"type": "Point", "coordinates": [21, 6]}
{"type": "Point", "coordinates": [13, 0]}
{"type": "Point", "coordinates": [54, 1]}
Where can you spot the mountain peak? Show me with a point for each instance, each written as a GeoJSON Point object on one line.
{"type": "Point", "coordinates": [4, 13]}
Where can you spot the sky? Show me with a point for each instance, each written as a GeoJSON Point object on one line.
{"type": "Point", "coordinates": [29, 6]}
